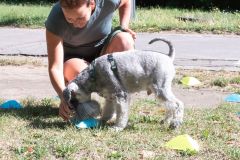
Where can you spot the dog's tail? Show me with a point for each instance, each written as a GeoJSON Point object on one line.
{"type": "Point", "coordinates": [171, 53]}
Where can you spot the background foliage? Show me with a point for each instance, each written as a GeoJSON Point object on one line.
{"type": "Point", "coordinates": [200, 4]}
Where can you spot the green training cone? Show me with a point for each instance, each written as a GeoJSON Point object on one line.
{"type": "Point", "coordinates": [190, 81]}
{"type": "Point", "coordinates": [183, 143]}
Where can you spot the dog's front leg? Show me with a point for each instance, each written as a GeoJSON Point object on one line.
{"type": "Point", "coordinates": [122, 109]}
{"type": "Point", "coordinates": [108, 110]}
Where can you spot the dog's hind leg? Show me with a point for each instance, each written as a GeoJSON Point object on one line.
{"type": "Point", "coordinates": [174, 107]}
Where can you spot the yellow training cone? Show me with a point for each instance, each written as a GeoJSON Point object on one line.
{"type": "Point", "coordinates": [190, 81]}
{"type": "Point", "coordinates": [183, 143]}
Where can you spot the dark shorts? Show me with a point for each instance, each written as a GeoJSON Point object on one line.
{"type": "Point", "coordinates": [90, 51]}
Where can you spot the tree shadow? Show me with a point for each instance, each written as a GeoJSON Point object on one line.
{"type": "Point", "coordinates": [43, 124]}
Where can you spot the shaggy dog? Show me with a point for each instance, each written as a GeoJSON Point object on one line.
{"type": "Point", "coordinates": [115, 76]}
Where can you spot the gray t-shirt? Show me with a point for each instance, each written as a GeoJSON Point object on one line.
{"type": "Point", "coordinates": [80, 40]}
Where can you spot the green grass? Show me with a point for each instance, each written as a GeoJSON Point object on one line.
{"type": "Point", "coordinates": [147, 20]}
{"type": "Point", "coordinates": [229, 83]}
{"type": "Point", "coordinates": [32, 16]}
{"type": "Point", "coordinates": [36, 132]}
{"type": "Point", "coordinates": [215, 21]}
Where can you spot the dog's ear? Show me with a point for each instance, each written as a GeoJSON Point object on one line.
{"type": "Point", "coordinates": [70, 98]}
{"type": "Point", "coordinates": [67, 95]}
{"type": "Point", "coordinates": [70, 91]}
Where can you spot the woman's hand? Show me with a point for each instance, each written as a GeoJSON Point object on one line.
{"type": "Point", "coordinates": [64, 110]}
{"type": "Point", "coordinates": [131, 32]}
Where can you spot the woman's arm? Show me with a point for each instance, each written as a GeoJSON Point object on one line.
{"type": "Point", "coordinates": [55, 69]}
{"type": "Point", "coordinates": [55, 61]}
{"type": "Point", "coordinates": [124, 16]}
{"type": "Point", "coordinates": [125, 13]}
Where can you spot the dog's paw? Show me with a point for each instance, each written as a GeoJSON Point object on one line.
{"type": "Point", "coordinates": [175, 124]}
{"type": "Point", "coordinates": [162, 122]}
{"type": "Point", "coordinates": [165, 121]}
{"type": "Point", "coordinates": [116, 128]}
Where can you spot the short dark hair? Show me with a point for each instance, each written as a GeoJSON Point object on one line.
{"type": "Point", "coordinates": [70, 4]}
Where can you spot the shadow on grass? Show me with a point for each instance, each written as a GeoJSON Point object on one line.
{"type": "Point", "coordinates": [43, 124]}
{"type": "Point", "coordinates": [39, 116]}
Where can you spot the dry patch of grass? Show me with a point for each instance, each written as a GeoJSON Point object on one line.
{"type": "Point", "coordinates": [22, 60]}
{"type": "Point", "coordinates": [219, 80]}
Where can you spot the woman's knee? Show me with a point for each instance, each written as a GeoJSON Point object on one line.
{"type": "Point", "coordinates": [123, 41]}
{"type": "Point", "coordinates": [73, 67]}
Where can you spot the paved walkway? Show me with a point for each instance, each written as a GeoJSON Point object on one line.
{"type": "Point", "coordinates": [28, 81]}
{"type": "Point", "coordinates": [192, 50]}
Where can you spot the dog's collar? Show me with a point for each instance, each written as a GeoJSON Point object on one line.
{"type": "Point", "coordinates": [113, 64]}
{"type": "Point", "coordinates": [92, 77]}
{"type": "Point", "coordinates": [92, 72]}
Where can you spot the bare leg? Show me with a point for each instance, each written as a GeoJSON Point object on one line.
{"type": "Point", "coordinates": [73, 67]}
{"type": "Point", "coordinates": [123, 41]}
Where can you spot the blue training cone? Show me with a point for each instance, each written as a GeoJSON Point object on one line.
{"type": "Point", "coordinates": [233, 98]}
{"type": "Point", "coordinates": [11, 104]}
{"type": "Point", "coordinates": [86, 123]}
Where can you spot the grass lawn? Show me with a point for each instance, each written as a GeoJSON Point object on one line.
{"type": "Point", "coordinates": [36, 132]}
{"type": "Point", "coordinates": [147, 20]}
{"type": "Point", "coordinates": [32, 16]}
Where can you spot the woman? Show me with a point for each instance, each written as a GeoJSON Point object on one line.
{"type": "Point", "coordinates": [77, 32]}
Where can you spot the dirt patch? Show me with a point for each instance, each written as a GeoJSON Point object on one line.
{"type": "Point", "coordinates": [29, 81]}
{"type": "Point", "coordinates": [19, 82]}
{"type": "Point", "coordinates": [27, 77]}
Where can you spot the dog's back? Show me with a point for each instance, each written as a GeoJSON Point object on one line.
{"type": "Point", "coordinates": [138, 69]}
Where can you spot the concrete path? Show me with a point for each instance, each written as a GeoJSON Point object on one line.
{"type": "Point", "coordinates": [33, 82]}
{"type": "Point", "coordinates": [192, 50]}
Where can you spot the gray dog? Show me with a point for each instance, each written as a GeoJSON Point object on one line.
{"type": "Point", "coordinates": [116, 75]}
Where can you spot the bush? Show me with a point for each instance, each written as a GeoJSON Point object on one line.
{"type": "Point", "coordinates": [202, 4]}
{"type": "Point", "coordinates": [28, 1]}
